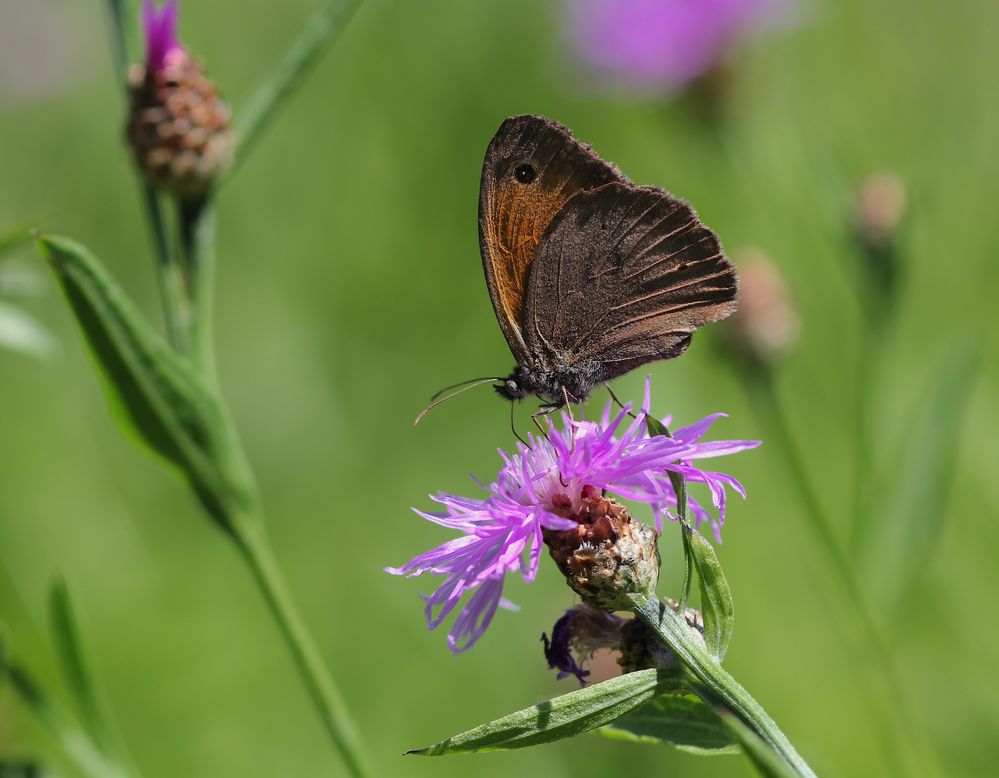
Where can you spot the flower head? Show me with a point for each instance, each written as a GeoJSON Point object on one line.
{"type": "Point", "coordinates": [558, 489]}
{"type": "Point", "coordinates": [160, 28]}
{"type": "Point", "coordinates": [766, 326]}
{"type": "Point", "coordinates": [178, 125]}
{"type": "Point", "coordinates": [660, 46]}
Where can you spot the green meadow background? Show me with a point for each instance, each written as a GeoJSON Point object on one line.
{"type": "Point", "coordinates": [350, 289]}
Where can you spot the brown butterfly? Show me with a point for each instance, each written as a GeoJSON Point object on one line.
{"type": "Point", "coordinates": [590, 275]}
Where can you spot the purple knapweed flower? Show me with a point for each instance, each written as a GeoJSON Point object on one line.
{"type": "Point", "coordinates": [659, 46]}
{"type": "Point", "coordinates": [542, 487]}
{"type": "Point", "coordinates": [160, 27]}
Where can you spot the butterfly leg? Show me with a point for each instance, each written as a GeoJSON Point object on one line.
{"type": "Point", "coordinates": [616, 400]}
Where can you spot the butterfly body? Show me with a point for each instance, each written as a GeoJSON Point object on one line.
{"type": "Point", "coordinates": [590, 275]}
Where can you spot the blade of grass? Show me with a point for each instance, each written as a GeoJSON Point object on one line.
{"type": "Point", "coordinates": [319, 33]}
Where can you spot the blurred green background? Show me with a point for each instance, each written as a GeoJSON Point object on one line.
{"type": "Point", "coordinates": [350, 288]}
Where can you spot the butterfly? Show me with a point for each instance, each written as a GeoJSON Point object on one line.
{"type": "Point", "coordinates": [590, 275]}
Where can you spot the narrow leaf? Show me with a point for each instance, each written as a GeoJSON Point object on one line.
{"type": "Point", "coordinates": [75, 742]}
{"type": "Point", "coordinates": [717, 606]}
{"type": "Point", "coordinates": [69, 648]}
{"type": "Point", "coordinates": [679, 483]}
{"type": "Point", "coordinates": [319, 32]}
{"type": "Point", "coordinates": [162, 399]}
{"type": "Point", "coordinates": [763, 758]}
{"type": "Point", "coordinates": [916, 515]}
{"type": "Point", "coordinates": [565, 716]}
{"type": "Point", "coordinates": [679, 720]}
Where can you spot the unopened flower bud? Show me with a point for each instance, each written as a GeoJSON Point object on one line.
{"type": "Point", "coordinates": [880, 207]}
{"type": "Point", "coordinates": [766, 325]}
{"type": "Point", "coordinates": [641, 648]}
{"type": "Point", "coordinates": [178, 125]}
{"type": "Point", "coordinates": [581, 631]}
{"type": "Point", "coordinates": [878, 213]}
{"type": "Point", "coordinates": [608, 555]}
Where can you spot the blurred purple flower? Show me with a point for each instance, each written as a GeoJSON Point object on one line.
{"type": "Point", "coordinates": [541, 488]}
{"type": "Point", "coordinates": [160, 27]}
{"type": "Point", "coordinates": [659, 46]}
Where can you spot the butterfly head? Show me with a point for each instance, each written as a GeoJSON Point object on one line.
{"type": "Point", "coordinates": [511, 388]}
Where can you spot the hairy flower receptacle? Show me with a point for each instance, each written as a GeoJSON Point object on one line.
{"type": "Point", "coordinates": [178, 126]}
{"type": "Point", "coordinates": [608, 555]}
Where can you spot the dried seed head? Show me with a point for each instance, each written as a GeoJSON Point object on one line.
{"type": "Point", "coordinates": [766, 325]}
{"type": "Point", "coordinates": [608, 555]}
{"type": "Point", "coordinates": [179, 126]}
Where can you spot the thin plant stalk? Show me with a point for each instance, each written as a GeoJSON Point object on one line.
{"type": "Point", "coordinates": [870, 357]}
{"type": "Point", "coordinates": [319, 32]}
{"type": "Point", "coordinates": [332, 709]}
{"type": "Point", "coordinates": [196, 227]}
{"type": "Point", "coordinates": [763, 394]}
{"type": "Point", "coordinates": [186, 276]}
{"type": "Point", "coordinates": [713, 683]}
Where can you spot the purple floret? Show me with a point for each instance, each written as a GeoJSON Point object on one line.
{"type": "Point", "coordinates": [160, 26]}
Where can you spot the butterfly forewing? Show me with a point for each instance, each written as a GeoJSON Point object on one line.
{"type": "Point", "coordinates": [623, 276]}
{"type": "Point", "coordinates": [532, 168]}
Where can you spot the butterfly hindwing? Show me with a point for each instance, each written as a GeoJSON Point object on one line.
{"type": "Point", "coordinates": [532, 168]}
{"type": "Point", "coordinates": [623, 276]}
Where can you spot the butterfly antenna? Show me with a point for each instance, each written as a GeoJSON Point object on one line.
{"type": "Point", "coordinates": [475, 382]}
{"type": "Point", "coordinates": [439, 392]}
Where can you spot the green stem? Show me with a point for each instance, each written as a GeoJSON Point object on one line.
{"type": "Point", "coordinates": [332, 709]}
{"type": "Point", "coordinates": [870, 351]}
{"type": "Point", "coordinates": [121, 55]}
{"type": "Point", "coordinates": [319, 32]}
{"type": "Point", "coordinates": [173, 295]}
{"type": "Point", "coordinates": [712, 682]}
{"type": "Point", "coordinates": [196, 223]}
{"type": "Point", "coordinates": [84, 753]}
{"type": "Point", "coordinates": [764, 397]}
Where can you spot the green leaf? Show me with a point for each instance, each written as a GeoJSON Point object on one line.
{"type": "Point", "coordinates": [69, 648]}
{"type": "Point", "coordinates": [710, 681]}
{"type": "Point", "coordinates": [679, 720]}
{"type": "Point", "coordinates": [565, 716]}
{"type": "Point", "coordinates": [763, 758]}
{"type": "Point", "coordinates": [917, 512]}
{"type": "Point", "coordinates": [75, 742]}
{"type": "Point", "coordinates": [717, 606]}
{"type": "Point", "coordinates": [161, 398]}
{"type": "Point", "coordinates": [657, 428]}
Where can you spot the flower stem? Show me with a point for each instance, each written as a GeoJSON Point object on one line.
{"type": "Point", "coordinates": [332, 709]}
{"type": "Point", "coordinates": [763, 395]}
{"type": "Point", "coordinates": [870, 353]}
{"type": "Point", "coordinates": [713, 683]}
{"type": "Point", "coordinates": [196, 223]}
{"type": "Point", "coordinates": [319, 32]}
